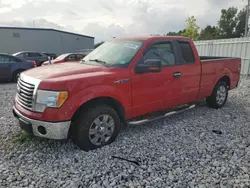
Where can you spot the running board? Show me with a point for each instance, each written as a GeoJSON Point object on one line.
{"type": "Point", "coordinates": [150, 119]}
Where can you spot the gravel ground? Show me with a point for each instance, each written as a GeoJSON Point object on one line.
{"type": "Point", "coordinates": [179, 151]}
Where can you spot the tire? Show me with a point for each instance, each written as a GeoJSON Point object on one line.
{"type": "Point", "coordinates": [219, 95]}
{"type": "Point", "coordinates": [16, 75]}
{"type": "Point", "coordinates": [86, 120]}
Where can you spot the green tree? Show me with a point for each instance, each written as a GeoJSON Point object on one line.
{"type": "Point", "coordinates": [175, 33]}
{"type": "Point", "coordinates": [192, 29]}
{"type": "Point", "coordinates": [208, 33]}
{"type": "Point", "coordinates": [228, 22]}
{"type": "Point", "coordinates": [240, 23]}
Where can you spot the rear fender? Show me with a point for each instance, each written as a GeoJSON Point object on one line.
{"type": "Point", "coordinates": [226, 72]}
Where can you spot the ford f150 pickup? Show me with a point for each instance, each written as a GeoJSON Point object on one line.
{"type": "Point", "coordinates": [122, 80]}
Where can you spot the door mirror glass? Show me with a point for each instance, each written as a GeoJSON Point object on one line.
{"type": "Point", "coordinates": [149, 65]}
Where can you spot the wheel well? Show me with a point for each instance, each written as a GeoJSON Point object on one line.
{"type": "Point", "coordinates": [103, 100]}
{"type": "Point", "coordinates": [225, 79]}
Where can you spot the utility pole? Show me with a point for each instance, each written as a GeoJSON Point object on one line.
{"type": "Point", "coordinates": [247, 18]}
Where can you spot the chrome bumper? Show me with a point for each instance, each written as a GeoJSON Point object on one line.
{"type": "Point", "coordinates": [50, 130]}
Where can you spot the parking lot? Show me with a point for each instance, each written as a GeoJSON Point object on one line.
{"type": "Point", "coordinates": [201, 147]}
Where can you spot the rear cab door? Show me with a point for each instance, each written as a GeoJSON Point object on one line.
{"type": "Point", "coordinates": [189, 72]}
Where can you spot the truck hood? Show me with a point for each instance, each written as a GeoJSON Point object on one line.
{"type": "Point", "coordinates": [64, 70]}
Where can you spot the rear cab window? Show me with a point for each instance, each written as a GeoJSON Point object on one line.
{"type": "Point", "coordinates": [186, 52]}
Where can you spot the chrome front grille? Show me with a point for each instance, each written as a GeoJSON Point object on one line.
{"type": "Point", "coordinates": [25, 92]}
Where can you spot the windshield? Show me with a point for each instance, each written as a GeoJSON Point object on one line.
{"type": "Point", "coordinates": [114, 53]}
{"type": "Point", "coordinates": [62, 56]}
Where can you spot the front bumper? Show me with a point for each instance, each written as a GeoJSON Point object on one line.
{"type": "Point", "coordinates": [50, 130]}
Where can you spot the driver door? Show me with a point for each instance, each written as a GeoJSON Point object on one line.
{"type": "Point", "coordinates": [154, 91]}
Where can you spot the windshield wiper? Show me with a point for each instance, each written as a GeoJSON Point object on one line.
{"type": "Point", "coordinates": [99, 61]}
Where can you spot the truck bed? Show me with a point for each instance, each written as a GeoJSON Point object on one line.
{"type": "Point", "coordinates": [229, 66]}
{"type": "Point", "coordinates": [204, 59]}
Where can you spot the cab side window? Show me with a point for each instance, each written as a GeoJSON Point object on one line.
{"type": "Point", "coordinates": [187, 52]}
{"type": "Point", "coordinates": [163, 52]}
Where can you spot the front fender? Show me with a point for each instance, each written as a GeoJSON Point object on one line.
{"type": "Point", "coordinates": [97, 91]}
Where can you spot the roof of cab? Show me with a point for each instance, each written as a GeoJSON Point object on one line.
{"type": "Point", "coordinates": [148, 37]}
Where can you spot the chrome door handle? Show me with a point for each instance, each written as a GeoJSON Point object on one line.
{"type": "Point", "coordinates": [177, 74]}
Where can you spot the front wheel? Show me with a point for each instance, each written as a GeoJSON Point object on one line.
{"type": "Point", "coordinates": [96, 127]}
{"type": "Point", "coordinates": [219, 96]}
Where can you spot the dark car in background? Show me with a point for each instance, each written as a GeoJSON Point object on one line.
{"type": "Point", "coordinates": [68, 57]}
{"type": "Point", "coordinates": [51, 55]}
{"type": "Point", "coordinates": [38, 57]}
{"type": "Point", "coordinates": [11, 67]}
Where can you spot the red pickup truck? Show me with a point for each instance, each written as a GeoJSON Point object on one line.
{"type": "Point", "coordinates": [122, 80]}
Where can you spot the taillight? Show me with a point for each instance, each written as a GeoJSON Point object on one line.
{"type": "Point", "coordinates": [33, 64]}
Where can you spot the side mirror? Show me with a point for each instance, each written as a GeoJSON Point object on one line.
{"type": "Point", "coordinates": [149, 65]}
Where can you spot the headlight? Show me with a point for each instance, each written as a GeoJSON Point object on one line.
{"type": "Point", "coordinates": [52, 99]}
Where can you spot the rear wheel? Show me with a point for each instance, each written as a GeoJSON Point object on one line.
{"type": "Point", "coordinates": [96, 127]}
{"type": "Point", "coordinates": [219, 95]}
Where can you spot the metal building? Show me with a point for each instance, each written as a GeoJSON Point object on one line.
{"type": "Point", "coordinates": [15, 39]}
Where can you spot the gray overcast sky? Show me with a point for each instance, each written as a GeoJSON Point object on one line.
{"type": "Point", "coordinates": [106, 18]}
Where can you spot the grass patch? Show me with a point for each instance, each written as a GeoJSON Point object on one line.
{"type": "Point", "coordinates": [23, 137]}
